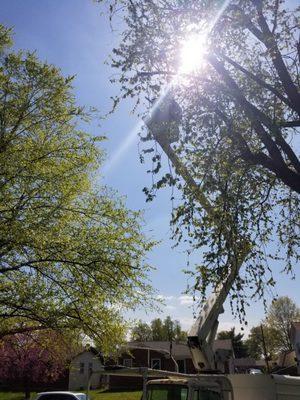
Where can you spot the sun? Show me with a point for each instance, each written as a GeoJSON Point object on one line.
{"type": "Point", "coordinates": [192, 54]}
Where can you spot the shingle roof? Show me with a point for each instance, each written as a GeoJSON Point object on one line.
{"type": "Point", "coordinates": [92, 350]}
{"type": "Point", "coordinates": [179, 350]}
{"type": "Point", "coordinates": [248, 362]}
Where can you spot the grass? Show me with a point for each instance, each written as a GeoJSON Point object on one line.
{"type": "Point", "coordinates": [13, 396]}
{"type": "Point", "coordinates": [94, 395]}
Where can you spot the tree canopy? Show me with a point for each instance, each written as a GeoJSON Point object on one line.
{"type": "Point", "coordinates": [255, 342]}
{"type": "Point", "coordinates": [280, 316]}
{"type": "Point", "coordinates": [71, 254]}
{"type": "Point", "coordinates": [276, 329]}
{"type": "Point", "coordinates": [158, 330]}
{"type": "Point", "coordinates": [230, 132]}
{"type": "Point", "coordinates": [32, 358]}
{"type": "Point", "coordinates": [141, 332]}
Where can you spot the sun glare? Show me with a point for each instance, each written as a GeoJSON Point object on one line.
{"type": "Point", "coordinates": [192, 53]}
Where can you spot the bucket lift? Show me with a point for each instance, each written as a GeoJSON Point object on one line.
{"type": "Point", "coordinates": [163, 124]}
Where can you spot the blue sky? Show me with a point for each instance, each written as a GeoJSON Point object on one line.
{"type": "Point", "coordinates": [73, 35]}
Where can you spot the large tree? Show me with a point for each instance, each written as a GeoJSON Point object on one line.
{"type": "Point", "coordinates": [229, 126]}
{"type": "Point", "coordinates": [158, 330]}
{"type": "Point", "coordinates": [276, 329]}
{"type": "Point", "coordinates": [282, 312]}
{"type": "Point", "coordinates": [71, 254]}
{"type": "Point", "coordinates": [264, 341]}
{"type": "Point", "coordinates": [141, 332]}
{"type": "Point", "coordinates": [32, 358]}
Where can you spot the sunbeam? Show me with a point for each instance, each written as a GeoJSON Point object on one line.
{"type": "Point", "coordinates": [192, 60]}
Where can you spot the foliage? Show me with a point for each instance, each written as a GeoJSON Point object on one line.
{"type": "Point", "coordinates": [234, 158]}
{"type": "Point", "coordinates": [158, 330]}
{"type": "Point", "coordinates": [136, 395]}
{"type": "Point", "coordinates": [276, 329]}
{"type": "Point", "coordinates": [35, 358]}
{"type": "Point", "coordinates": [255, 342]}
{"type": "Point", "coordinates": [141, 332]}
{"type": "Point", "coordinates": [14, 396]}
{"type": "Point", "coordinates": [239, 347]}
{"type": "Point", "coordinates": [280, 316]}
{"type": "Point", "coordinates": [71, 254]}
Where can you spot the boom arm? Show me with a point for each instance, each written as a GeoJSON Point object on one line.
{"type": "Point", "coordinates": [203, 331]}
{"type": "Point", "coordinates": [163, 123]}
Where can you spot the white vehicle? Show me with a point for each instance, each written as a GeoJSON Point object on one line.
{"type": "Point", "coordinates": [61, 396]}
{"type": "Point", "coordinates": [254, 371]}
{"type": "Point", "coordinates": [225, 387]}
{"type": "Point", "coordinates": [177, 386]}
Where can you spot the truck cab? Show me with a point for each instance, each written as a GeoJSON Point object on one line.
{"type": "Point", "coordinates": [199, 388]}
{"type": "Point", "coordinates": [225, 387]}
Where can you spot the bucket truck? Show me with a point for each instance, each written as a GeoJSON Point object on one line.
{"type": "Point", "coordinates": [208, 383]}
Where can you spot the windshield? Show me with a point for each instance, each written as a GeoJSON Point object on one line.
{"type": "Point", "coordinates": [167, 392]}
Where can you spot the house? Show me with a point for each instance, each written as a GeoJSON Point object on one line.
{"type": "Point", "coordinates": [81, 367]}
{"type": "Point", "coordinates": [157, 355]}
{"type": "Point", "coordinates": [246, 364]}
{"type": "Point", "coordinates": [285, 364]}
{"type": "Point", "coordinates": [288, 362]}
{"type": "Point", "coordinates": [153, 354]}
{"type": "Point", "coordinates": [163, 355]}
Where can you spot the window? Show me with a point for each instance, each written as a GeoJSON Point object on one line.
{"type": "Point", "coordinates": [155, 363]}
{"type": "Point", "coordinates": [167, 392]}
{"type": "Point", "coordinates": [181, 366]}
{"type": "Point", "coordinates": [81, 368]}
{"type": "Point", "coordinates": [206, 394]}
{"type": "Point", "coordinates": [127, 362]}
{"type": "Point", "coordinates": [90, 367]}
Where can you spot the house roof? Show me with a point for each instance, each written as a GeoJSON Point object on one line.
{"type": "Point", "coordinates": [92, 350]}
{"type": "Point", "coordinates": [248, 362]}
{"type": "Point", "coordinates": [179, 350]}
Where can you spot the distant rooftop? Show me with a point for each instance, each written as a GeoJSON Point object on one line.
{"type": "Point", "coordinates": [179, 349]}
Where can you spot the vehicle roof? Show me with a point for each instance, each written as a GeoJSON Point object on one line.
{"type": "Point", "coordinates": [172, 381]}
{"type": "Point", "coordinates": [211, 380]}
{"type": "Point", "coordinates": [60, 392]}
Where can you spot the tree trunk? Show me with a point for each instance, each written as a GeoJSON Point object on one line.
{"type": "Point", "coordinates": [26, 389]}
{"type": "Point", "coordinates": [27, 394]}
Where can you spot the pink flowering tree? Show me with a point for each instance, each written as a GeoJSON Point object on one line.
{"type": "Point", "coordinates": [29, 359]}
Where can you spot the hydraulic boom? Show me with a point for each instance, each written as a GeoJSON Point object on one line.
{"type": "Point", "coordinates": [163, 123]}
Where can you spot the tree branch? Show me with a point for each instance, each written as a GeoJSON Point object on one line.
{"type": "Point", "coordinates": [267, 38]}
{"type": "Point", "coordinates": [257, 117]}
{"type": "Point", "coordinates": [258, 80]}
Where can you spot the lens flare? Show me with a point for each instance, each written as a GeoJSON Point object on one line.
{"type": "Point", "coordinates": [192, 55]}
